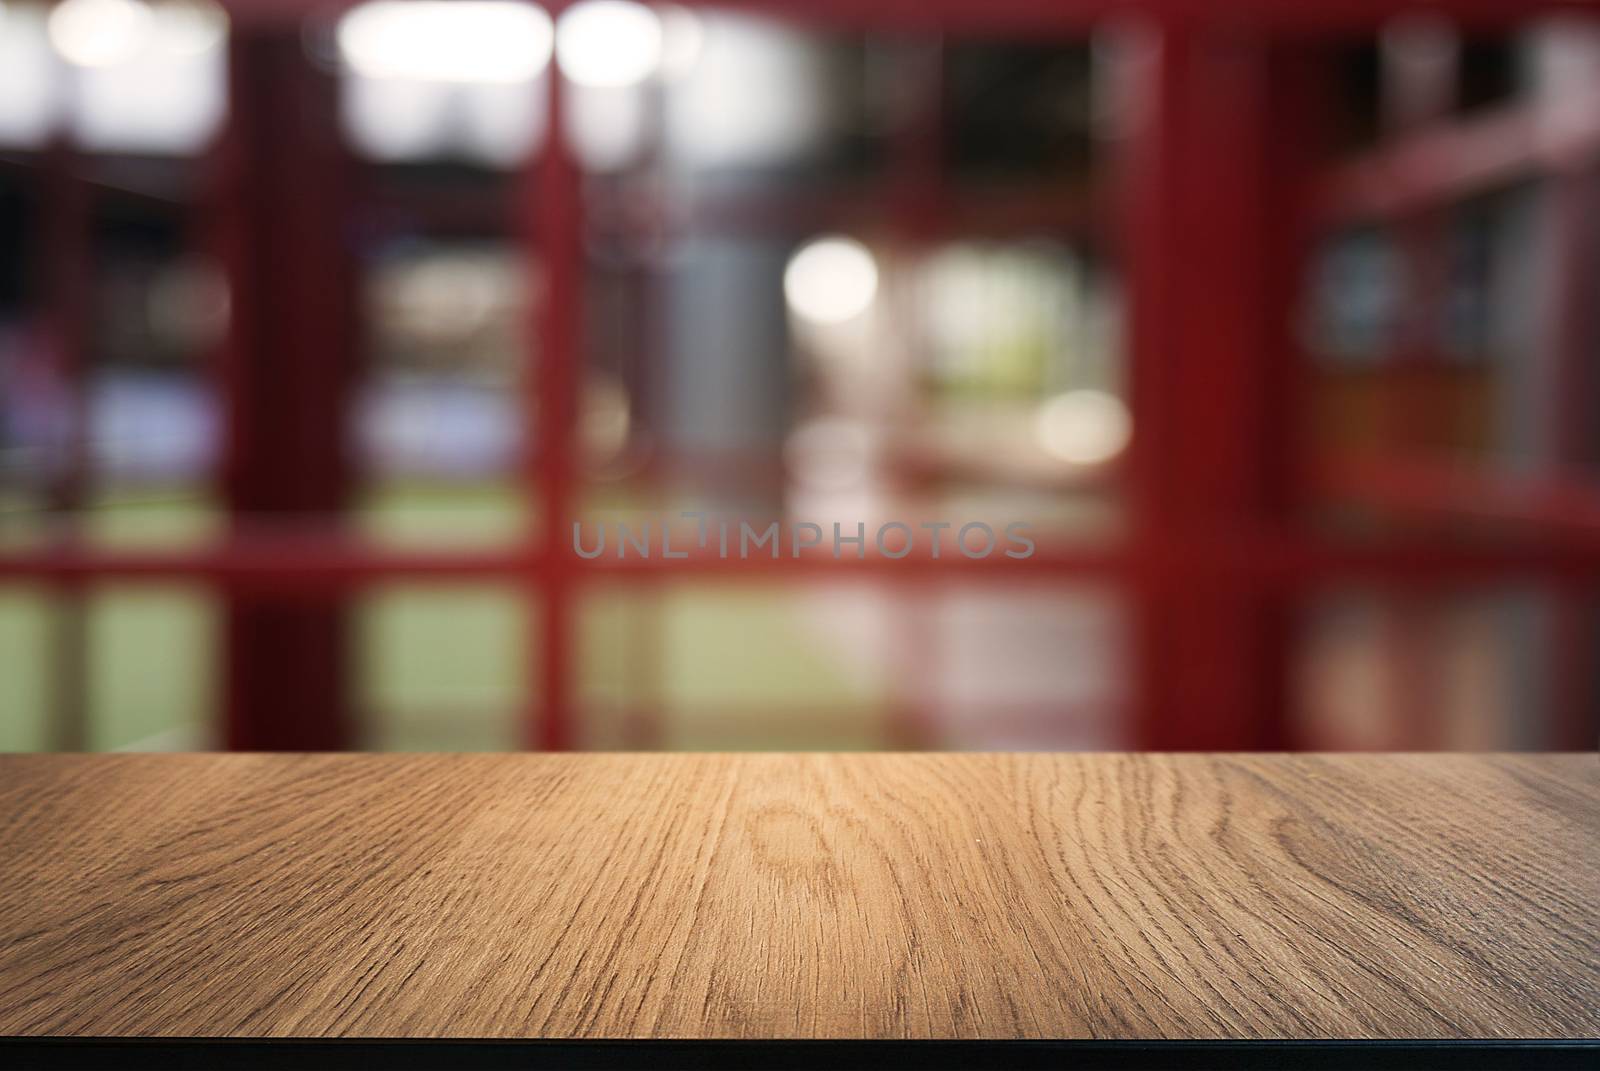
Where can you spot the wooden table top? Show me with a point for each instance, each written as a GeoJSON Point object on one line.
{"type": "Point", "coordinates": [938, 896]}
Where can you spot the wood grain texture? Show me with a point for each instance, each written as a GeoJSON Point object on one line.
{"type": "Point", "coordinates": [619, 896]}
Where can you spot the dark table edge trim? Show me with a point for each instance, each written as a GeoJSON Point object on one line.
{"type": "Point", "coordinates": [495, 1055]}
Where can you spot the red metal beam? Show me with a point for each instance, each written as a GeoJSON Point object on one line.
{"type": "Point", "coordinates": [312, 568]}
{"type": "Point", "coordinates": [1213, 174]}
{"type": "Point", "coordinates": [289, 568]}
{"type": "Point", "coordinates": [286, 371]}
{"type": "Point", "coordinates": [558, 229]}
{"type": "Point", "coordinates": [998, 211]}
{"type": "Point", "coordinates": [1572, 335]}
{"type": "Point", "coordinates": [65, 311]}
{"type": "Point", "coordinates": [1537, 505]}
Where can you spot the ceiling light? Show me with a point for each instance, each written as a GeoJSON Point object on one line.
{"type": "Point", "coordinates": [608, 43]}
{"type": "Point", "coordinates": [469, 41]}
{"type": "Point", "coordinates": [99, 33]}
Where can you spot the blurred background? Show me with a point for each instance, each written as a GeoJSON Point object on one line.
{"type": "Point", "coordinates": [321, 322]}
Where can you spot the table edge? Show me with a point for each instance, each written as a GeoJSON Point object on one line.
{"type": "Point", "coordinates": [474, 1054]}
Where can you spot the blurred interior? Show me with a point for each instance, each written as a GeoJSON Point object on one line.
{"type": "Point", "coordinates": [321, 322]}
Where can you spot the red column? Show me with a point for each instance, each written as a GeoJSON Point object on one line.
{"type": "Point", "coordinates": [286, 371]}
{"type": "Point", "coordinates": [553, 381]}
{"type": "Point", "coordinates": [1211, 175]}
{"type": "Point", "coordinates": [65, 301]}
{"type": "Point", "coordinates": [1569, 347]}
{"type": "Point", "coordinates": [916, 203]}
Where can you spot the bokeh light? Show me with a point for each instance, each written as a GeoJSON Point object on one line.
{"type": "Point", "coordinates": [1083, 427]}
{"type": "Point", "coordinates": [192, 27]}
{"type": "Point", "coordinates": [609, 43]}
{"type": "Point", "coordinates": [682, 41]}
{"type": "Point", "coordinates": [99, 33]}
{"type": "Point", "coordinates": [477, 41]}
{"type": "Point", "coordinates": [831, 280]}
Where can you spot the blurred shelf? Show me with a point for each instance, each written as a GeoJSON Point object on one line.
{"type": "Point", "coordinates": [1454, 159]}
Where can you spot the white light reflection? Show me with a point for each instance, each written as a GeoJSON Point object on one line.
{"type": "Point", "coordinates": [831, 280]}
{"type": "Point", "coordinates": [609, 43]}
{"type": "Point", "coordinates": [473, 41]}
{"type": "Point", "coordinates": [99, 33]}
{"type": "Point", "coordinates": [1083, 427]}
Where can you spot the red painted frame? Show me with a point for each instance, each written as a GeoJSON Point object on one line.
{"type": "Point", "coordinates": [1219, 550]}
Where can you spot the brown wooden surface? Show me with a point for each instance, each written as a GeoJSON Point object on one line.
{"type": "Point", "coordinates": [801, 895]}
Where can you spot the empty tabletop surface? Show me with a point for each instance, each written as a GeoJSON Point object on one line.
{"type": "Point", "coordinates": [788, 896]}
